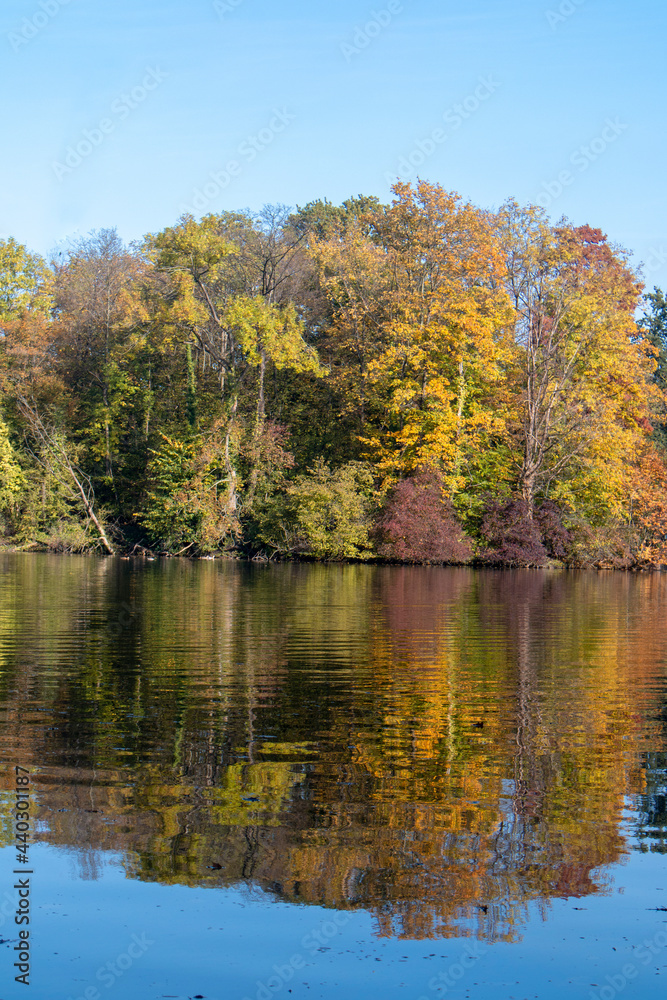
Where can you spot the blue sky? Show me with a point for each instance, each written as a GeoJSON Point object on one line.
{"type": "Point", "coordinates": [128, 112]}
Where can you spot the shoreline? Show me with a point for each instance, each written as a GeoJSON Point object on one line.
{"type": "Point", "coordinates": [148, 555]}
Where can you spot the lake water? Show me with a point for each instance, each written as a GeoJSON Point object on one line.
{"type": "Point", "coordinates": [257, 781]}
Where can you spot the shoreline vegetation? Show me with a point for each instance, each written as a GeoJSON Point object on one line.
{"type": "Point", "coordinates": [143, 554]}
{"type": "Point", "coordinates": [227, 556]}
{"type": "Point", "coordinates": [420, 382]}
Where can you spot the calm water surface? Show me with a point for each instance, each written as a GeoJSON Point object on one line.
{"type": "Point", "coordinates": [323, 781]}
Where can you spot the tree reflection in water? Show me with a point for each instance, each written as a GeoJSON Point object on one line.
{"type": "Point", "coordinates": [441, 747]}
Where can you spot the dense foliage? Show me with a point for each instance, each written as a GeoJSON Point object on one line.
{"type": "Point", "coordinates": [422, 381]}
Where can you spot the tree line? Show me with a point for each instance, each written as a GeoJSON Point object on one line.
{"type": "Point", "coordinates": [419, 381]}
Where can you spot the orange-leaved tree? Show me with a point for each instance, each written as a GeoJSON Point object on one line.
{"type": "Point", "coordinates": [425, 321]}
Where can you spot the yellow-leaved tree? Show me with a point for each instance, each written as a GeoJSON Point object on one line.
{"type": "Point", "coordinates": [582, 375]}
{"type": "Point", "coordinates": [421, 310]}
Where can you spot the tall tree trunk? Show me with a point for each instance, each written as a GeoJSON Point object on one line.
{"type": "Point", "coordinates": [259, 425]}
{"type": "Point", "coordinates": [261, 408]}
{"type": "Point", "coordinates": [459, 419]}
{"type": "Point", "coordinates": [533, 433]}
{"type": "Point", "coordinates": [149, 405]}
{"type": "Point", "coordinates": [231, 472]}
{"type": "Point", "coordinates": [528, 477]}
{"type": "Point", "coordinates": [191, 402]}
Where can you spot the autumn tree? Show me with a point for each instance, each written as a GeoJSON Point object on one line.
{"type": "Point", "coordinates": [227, 299]}
{"type": "Point", "coordinates": [424, 320]}
{"type": "Point", "coordinates": [223, 272]}
{"type": "Point", "coordinates": [25, 281]}
{"type": "Point", "coordinates": [27, 365]}
{"type": "Point", "coordinates": [103, 354]}
{"type": "Point", "coordinates": [582, 374]}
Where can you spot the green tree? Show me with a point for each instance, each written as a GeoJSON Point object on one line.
{"type": "Point", "coordinates": [228, 275]}
{"type": "Point", "coordinates": [653, 325]}
{"type": "Point", "coordinates": [324, 513]}
{"type": "Point", "coordinates": [187, 507]}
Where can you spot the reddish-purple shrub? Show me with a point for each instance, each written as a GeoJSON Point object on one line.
{"type": "Point", "coordinates": [418, 524]}
{"type": "Point", "coordinates": [555, 537]}
{"type": "Point", "coordinates": [513, 539]}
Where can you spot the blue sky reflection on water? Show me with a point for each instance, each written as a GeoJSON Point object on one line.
{"type": "Point", "coordinates": [229, 943]}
